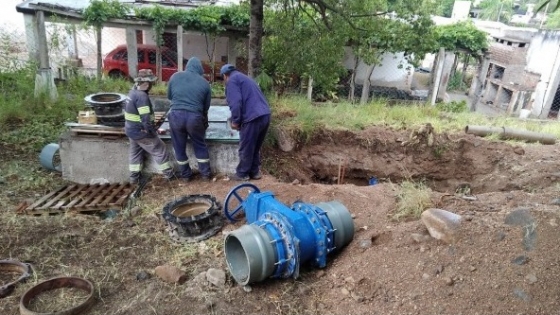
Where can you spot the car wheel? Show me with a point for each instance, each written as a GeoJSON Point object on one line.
{"type": "Point", "coordinates": [116, 74]}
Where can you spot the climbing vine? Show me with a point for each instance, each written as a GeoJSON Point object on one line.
{"type": "Point", "coordinates": [462, 36]}
{"type": "Point", "coordinates": [206, 19]}
{"type": "Point", "coordinates": [101, 11]}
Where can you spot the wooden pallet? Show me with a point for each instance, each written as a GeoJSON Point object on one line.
{"type": "Point", "coordinates": [79, 198]}
{"type": "Point", "coordinates": [98, 132]}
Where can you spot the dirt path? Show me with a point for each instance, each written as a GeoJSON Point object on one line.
{"type": "Point", "coordinates": [493, 268]}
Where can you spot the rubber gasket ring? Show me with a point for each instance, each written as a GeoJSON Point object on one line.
{"type": "Point", "coordinates": [57, 283]}
{"type": "Point", "coordinates": [13, 266]}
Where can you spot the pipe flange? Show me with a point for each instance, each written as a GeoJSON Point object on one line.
{"type": "Point", "coordinates": [50, 157]}
{"type": "Point", "coordinates": [13, 266]}
{"type": "Point", "coordinates": [105, 98]}
{"type": "Point", "coordinates": [57, 283]}
{"type": "Point", "coordinates": [193, 218]}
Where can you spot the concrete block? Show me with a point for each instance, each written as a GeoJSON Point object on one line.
{"type": "Point", "coordinates": [88, 160]}
{"type": "Point", "coordinates": [442, 225]}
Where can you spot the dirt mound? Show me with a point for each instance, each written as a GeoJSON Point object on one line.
{"type": "Point", "coordinates": [443, 161]}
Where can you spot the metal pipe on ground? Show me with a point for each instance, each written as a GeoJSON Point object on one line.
{"type": "Point", "coordinates": [278, 239]}
{"type": "Point", "coordinates": [510, 133]}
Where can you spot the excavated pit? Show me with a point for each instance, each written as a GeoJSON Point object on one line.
{"type": "Point", "coordinates": [444, 162]}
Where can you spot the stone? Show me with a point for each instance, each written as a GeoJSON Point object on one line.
{"type": "Point", "coordinates": [448, 281]}
{"type": "Point", "coordinates": [500, 236]}
{"type": "Point", "coordinates": [344, 291]}
{"type": "Point", "coordinates": [365, 243]}
{"type": "Point", "coordinates": [472, 268]}
{"type": "Point", "coordinates": [320, 274]}
{"type": "Point", "coordinates": [295, 182]}
{"type": "Point", "coordinates": [425, 276]}
{"type": "Point", "coordinates": [555, 202]}
{"type": "Point", "coordinates": [442, 225]}
{"type": "Point", "coordinates": [531, 278]}
{"type": "Point", "coordinates": [216, 276]}
{"type": "Point", "coordinates": [419, 238]}
{"type": "Point", "coordinates": [439, 269]}
{"type": "Point", "coordinates": [518, 150]}
{"type": "Point", "coordinates": [520, 260]}
{"type": "Point", "coordinates": [519, 217]}
{"type": "Point", "coordinates": [284, 140]}
{"type": "Point", "coordinates": [247, 288]}
{"type": "Point", "coordinates": [143, 275]}
{"type": "Point", "coordinates": [171, 274]}
{"type": "Point", "coordinates": [521, 294]}
{"type": "Point", "coordinates": [135, 211]}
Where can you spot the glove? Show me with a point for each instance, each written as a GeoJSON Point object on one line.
{"type": "Point", "coordinates": [206, 122]}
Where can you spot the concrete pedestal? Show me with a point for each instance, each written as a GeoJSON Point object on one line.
{"type": "Point", "coordinates": [89, 160]}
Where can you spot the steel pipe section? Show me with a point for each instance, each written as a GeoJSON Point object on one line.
{"type": "Point", "coordinates": [278, 239]}
{"type": "Point", "coordinates": [510, 133]}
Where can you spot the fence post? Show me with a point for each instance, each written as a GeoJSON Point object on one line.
{"type": "Point", "coordinates": [180, 65]}
{"type": "Point", "coordinates": [310, 89]}
{"type": "Point", "coordinates": [132, 51]}
{"type": "Point", "coordinates": [99, 53]}
{"type": "Point", "coordinates": [439, 71]}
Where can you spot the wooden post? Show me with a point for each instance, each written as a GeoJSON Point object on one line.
{"type": "Point", "coordinates": [132, 51]}
{"type": "Point", "coordinates": [99, 54]}
{"type": "Point", "coordinates": [180, 65]}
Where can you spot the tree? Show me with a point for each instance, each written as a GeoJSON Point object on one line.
{"type": "Point", "coordinates": [445, 8]}
{"type": "Point", "coordinates": [496, 10]}
{"type": "Point", "coordinates": [255, 37]}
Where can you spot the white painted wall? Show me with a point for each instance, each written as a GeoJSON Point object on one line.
{"type": "Point", "coordinates": [387, 74]}
{"type": "Point", "coordinates": [543, 58]}
{"type": "Point", "coordinates": [461, 10]}
{"type": "Point", "coordinates": [194, 45]}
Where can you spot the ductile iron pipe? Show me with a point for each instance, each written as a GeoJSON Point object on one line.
{"type": "Point", "coordinates": [278, 239]}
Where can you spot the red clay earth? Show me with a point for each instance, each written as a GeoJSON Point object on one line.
{"type": "Point", "coordinates": [384, 270]}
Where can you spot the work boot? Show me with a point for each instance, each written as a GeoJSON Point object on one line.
{"type": "Point", "coordinates": [135, 178]}
{"type": "Point", "coordinates": [185, 172]}
{"type": "Point", "coordinates": [238, 178]}
{"type": "Point", "coordinates": [169, 175]}
{"type": "Point", "coordinates": [256, 176]}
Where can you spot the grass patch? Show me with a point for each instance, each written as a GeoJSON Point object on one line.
{"type": "Point", "coordinates": [298, 113]}
{"type": "Point", "coordinates": [412, 199]}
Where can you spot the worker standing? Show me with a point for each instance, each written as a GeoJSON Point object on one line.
{"type": "Point", "coordinates": [250, 114]}
{"type": "Point", "coordinates": [190, 96]}
{"type": "Point", "coordinates": [140, 129]}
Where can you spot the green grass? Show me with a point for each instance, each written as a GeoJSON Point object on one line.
{"type": "Point", "coordinates": [412, 199]}
{"type": "Point", "coordinates": [298, 113]}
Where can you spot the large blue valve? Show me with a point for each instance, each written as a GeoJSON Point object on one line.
{"type": "Point", "coordinates": [278, 239]}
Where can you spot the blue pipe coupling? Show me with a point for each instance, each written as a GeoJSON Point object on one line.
{"type": "Point", "coordinates": [281, 239]}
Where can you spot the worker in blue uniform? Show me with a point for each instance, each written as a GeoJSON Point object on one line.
{"type": "Point", "coordinates": [190, 96]}
{"type": "Point", "coordinates": [250, 114]}
{"type": "Point", "coordinates": [139, 128]}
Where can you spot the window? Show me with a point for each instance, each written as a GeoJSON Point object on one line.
{"type": "Point", "coordinates": [120, 55]}
{"type": "Point", "coordinates": [169, 58]}
{"type": "Point", "coordinates": [123, 55]}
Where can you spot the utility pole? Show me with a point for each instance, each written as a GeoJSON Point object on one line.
{"type": "Point", "coordinates": [500, 11]}
{"type": "Point", "coordinates": [544, 15]}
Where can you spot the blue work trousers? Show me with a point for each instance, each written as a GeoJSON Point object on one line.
{"type": "Point", "coordinates": [251, 138]}
{"type": "Point", "coordinates": [185, 124]}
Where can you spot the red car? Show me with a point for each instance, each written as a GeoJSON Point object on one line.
{"type": "Point", "coordinates": [115, 63]}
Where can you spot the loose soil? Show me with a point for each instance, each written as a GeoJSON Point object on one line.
{"type": "Point", "coordinates": [490, 269]}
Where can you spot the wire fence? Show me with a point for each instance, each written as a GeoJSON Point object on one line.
{"type": "Point", "coordinates": [72, 50]}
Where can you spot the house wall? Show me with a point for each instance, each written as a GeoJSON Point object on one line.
{"type": "Point", "coordinates": [195, 45]}
{"type": "Point", "coordinates": [543, 59]}
{"type": "Point", "coordinates": [386, 74]}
